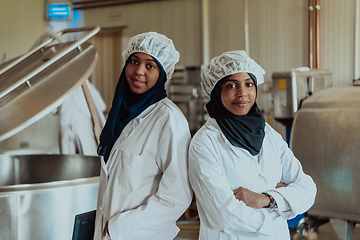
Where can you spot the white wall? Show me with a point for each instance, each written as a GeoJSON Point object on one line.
{"type": "Point", "coordinates": [21, 23]}
{"type": "Point", "coordinates": [338, 39]}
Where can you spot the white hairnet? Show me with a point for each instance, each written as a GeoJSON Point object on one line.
{"type": "Point", "coordinates": [156, 45]}
{"type": "Point", "coordinates": [226, 64]}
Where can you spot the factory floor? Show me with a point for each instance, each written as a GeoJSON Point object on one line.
{"type": "Point", "coordinates": [325, 232]}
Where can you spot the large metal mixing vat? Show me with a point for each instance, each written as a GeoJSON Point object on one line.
{"type": "Point", "coordinates": [41, 194]}
{"type": "Point", "coordinates": [326, 139]}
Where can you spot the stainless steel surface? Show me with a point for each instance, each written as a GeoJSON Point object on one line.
{"type": "Point", "coordinates": [47, 61]}
{"type": "Point", "coordinates": [32, 86]}
{"type": "Point", "coordinates": [41, 194]}
{"type": "Point", "coordinates": [197, 109]}
{"type": "Point", "coordinates": [325, 138]}
{"type": "Point", "coordinates": [292, 87]}
{"type": "Point", "coordinates": [335, 97]}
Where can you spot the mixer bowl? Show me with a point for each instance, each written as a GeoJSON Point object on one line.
{"type": "Point", "coordinates": [41, 194]}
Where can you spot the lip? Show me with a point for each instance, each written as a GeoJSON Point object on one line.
{"type": "Point", "coordinates": [240, 103]}
{"type": "Point", "coordinates": [137, 82]}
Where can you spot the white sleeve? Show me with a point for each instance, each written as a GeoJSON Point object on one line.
{"type": "Point", "coordinates": [174, 193]}
{"type": "Point", "coordinates": [213, 192]}
{"type": "Point", "coordinates": [300, 193]}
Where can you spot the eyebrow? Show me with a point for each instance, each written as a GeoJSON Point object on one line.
{"type": "Point", "coordinates": [234, 80]}
{"type": "Point", "coordinates": [149, 59]}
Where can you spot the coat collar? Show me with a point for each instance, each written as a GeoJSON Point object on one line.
{"type": "Point", "coordinates": [253, 161]}
{"type": "Point", "coordinates": [147, 112]}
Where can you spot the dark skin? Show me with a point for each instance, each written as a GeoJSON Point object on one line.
{"type": "Point", "coordinates": [253, 199]}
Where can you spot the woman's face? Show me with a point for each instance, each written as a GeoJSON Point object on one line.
{"type": "Point", "coordinates": [142, 72]}
{"type": "Point", "coordinates": [238, 93]}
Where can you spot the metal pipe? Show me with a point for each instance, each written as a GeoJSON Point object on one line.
{"type": "Point", "coordinates": [357, 40]}
{"type": "Point", "coordinates": [311, 36]}
{"type": "Point", "coordinates": [317, 33]}
{"type": "Point", "coordinates": [80, 5]}
{"type": "Point", "coordinates": [246, 23]}
{"type": "Point", "coordinates": [206, 32]}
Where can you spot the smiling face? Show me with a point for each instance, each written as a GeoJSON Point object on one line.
{"type": "Point", "coordinates": [238, 93]}
{"type": "Point", "coordinates": [142, 72]}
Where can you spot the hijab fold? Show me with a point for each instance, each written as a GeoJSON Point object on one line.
{"type": "Point", "coordinates": [246, 131]}
{"type": "Point", "coordinates": [126, 106]}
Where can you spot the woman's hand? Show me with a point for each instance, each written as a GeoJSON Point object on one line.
{"type": "Point", "coordinates": [250, 198]}
{"type": "Point", "coordinates": [280, 184]}
{"type": "Point", "coordinates": [253, 199]}
{"type": "Point", "coordinates": [106, 229]}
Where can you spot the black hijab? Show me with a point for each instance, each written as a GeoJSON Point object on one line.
{"type": "Point", "coordinates": [127, 105]}
{"type": "Point", "coordinates": [246, 131]}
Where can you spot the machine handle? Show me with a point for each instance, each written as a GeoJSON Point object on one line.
{"type": "Point", "coordinates": [96, 119]}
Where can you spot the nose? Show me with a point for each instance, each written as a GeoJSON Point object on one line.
{"type": "Point", "coordinates": [139, 70]}
{"type": "Point", "coordinates": [241, 92]}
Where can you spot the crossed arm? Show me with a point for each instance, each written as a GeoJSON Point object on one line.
{"type": "Point", "coordinates": [253, 199]}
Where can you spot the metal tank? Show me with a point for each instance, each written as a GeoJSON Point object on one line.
{"type": "Point", "coordinates": [41, 194]}
{"type": "Point", "coordinates": [326, 139]}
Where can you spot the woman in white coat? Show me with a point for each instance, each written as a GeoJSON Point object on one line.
{"type": "Point", "coordinates": [246, 180]}
{"type": "Point", "coordinates": [144, 186]}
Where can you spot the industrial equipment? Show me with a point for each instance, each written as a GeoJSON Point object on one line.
{"type": "Point", "coordinates": [292, 87]}
{"type": "Point", "coordinates": [325, 138]}
{"type": "Point", "coordinates": [185, 91]}
{"type": "Point", "coordinates": [41, 194]}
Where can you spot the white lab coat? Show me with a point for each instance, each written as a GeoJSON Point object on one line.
{"type": "Point", "coordinates": [76, 127]}
{"type": "Point", "coordinates": [144, 186]}
{"type": "Point", "coordinates": [216, 168]}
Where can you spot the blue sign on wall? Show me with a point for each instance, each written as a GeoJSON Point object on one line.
{"type": "Point", "coordinates": [59, 11]}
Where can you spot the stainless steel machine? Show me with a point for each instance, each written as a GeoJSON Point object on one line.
{"type": "Point", "coordinates": [41, 194]}
{"type": "Point", "coordinates": [185, 91]}
{"type": "Point", "coordinates": [326, 138]}
{"type": "Point", "coordinates": [290, 88]}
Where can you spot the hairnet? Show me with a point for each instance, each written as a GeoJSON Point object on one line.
{"type": "Point", "coordinates": [227, 64]}
{"type": "Point", "coordinates": [156, 45]}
